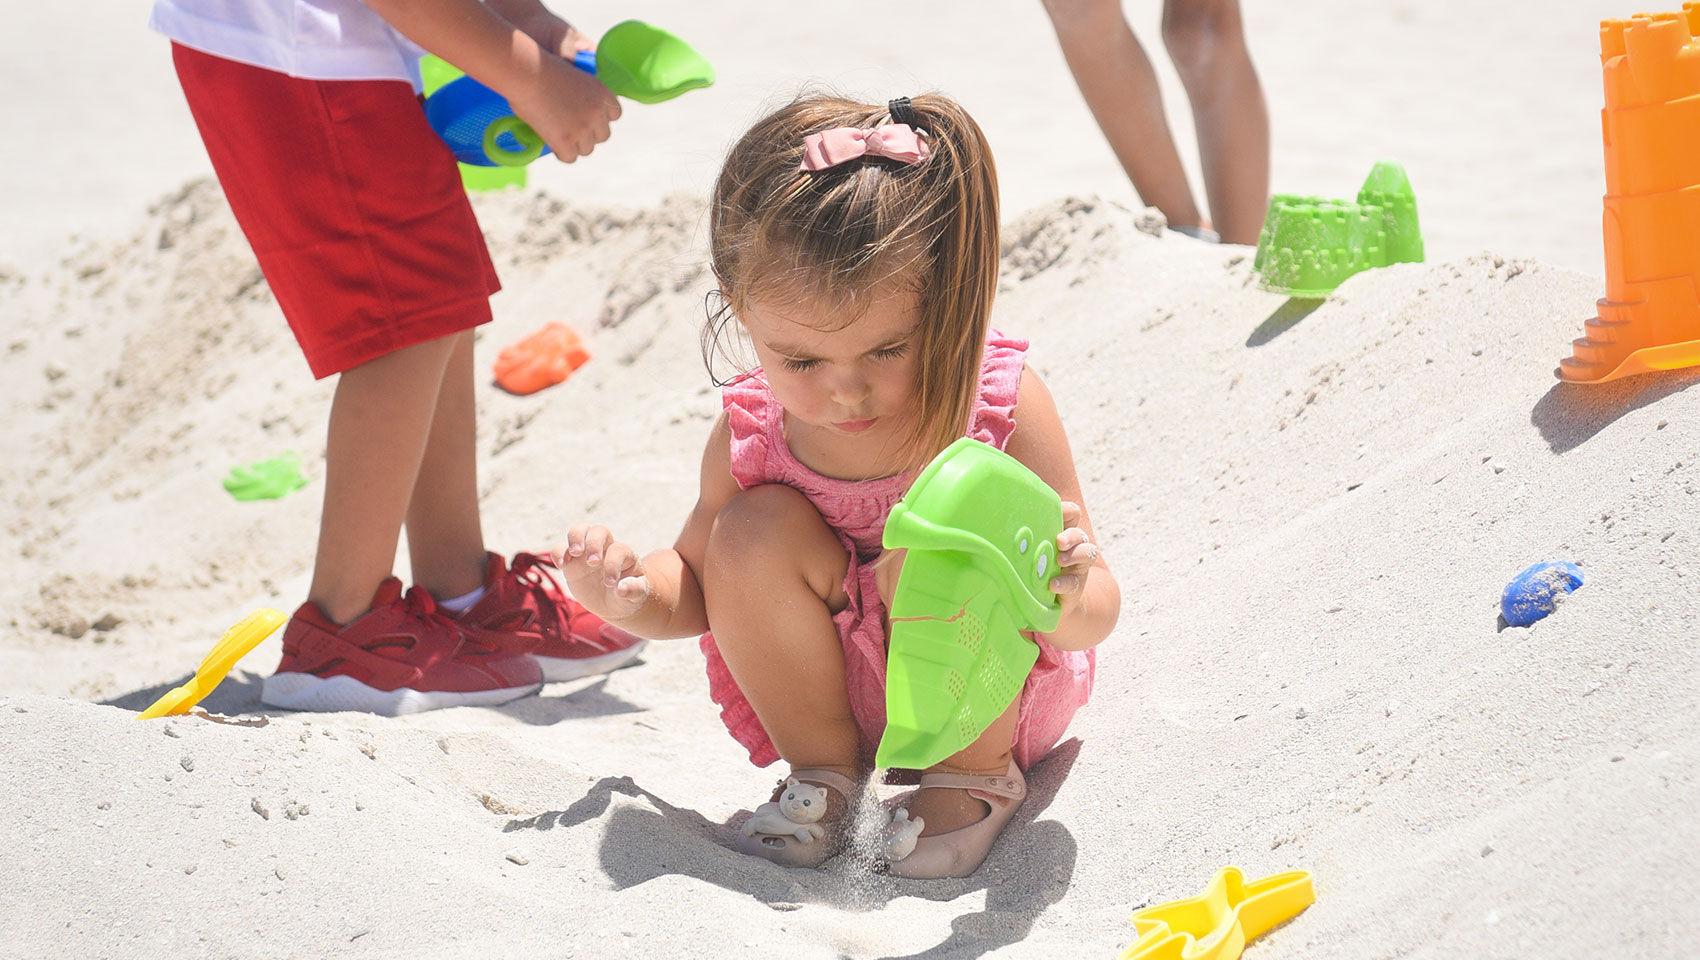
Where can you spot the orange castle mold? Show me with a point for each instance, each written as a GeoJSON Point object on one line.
{"type": "Point", "coordinates": [1649, 319]}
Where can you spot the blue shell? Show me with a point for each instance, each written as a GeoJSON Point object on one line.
{"type": "Point", "coordinates": [1536, 592]}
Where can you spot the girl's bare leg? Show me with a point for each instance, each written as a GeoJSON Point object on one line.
{"type": "Point", "coordinates": [773, 577]}
{"type": "Point", "coordinates": [1119, 85]}
{"type": "Point", "coordinates": [1206, 41]}
{"type": "Point", "coordinates": [947, 810]}
{"type": "Point", "coordinates": [989, 755]}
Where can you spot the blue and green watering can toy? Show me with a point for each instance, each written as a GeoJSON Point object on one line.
{"type": "Point", "coordinates": [633, 59]}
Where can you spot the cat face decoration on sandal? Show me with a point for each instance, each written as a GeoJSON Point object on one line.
{"type": "Point", "coordinates": [901, 834]}
{"type": "Point", "coordinates": [793, 814]}
{"type": "Point", "coordinates": [785, 829]}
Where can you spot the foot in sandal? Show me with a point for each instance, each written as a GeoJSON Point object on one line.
{"type": "Point", "coordinates": [959, 852]}
{"type": "Point", "coordinates": [806, 822]}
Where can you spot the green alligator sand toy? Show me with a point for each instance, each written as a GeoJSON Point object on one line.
{"type": "Point", "coordinates": [981, 531]}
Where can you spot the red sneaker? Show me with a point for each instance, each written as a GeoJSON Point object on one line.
{"type": "Point", "coordinates": [526, 609]}
{"type": "Point", "coordinates": [402, 656]}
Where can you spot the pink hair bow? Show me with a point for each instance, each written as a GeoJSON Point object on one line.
{"type": "Point", "coordinates": [894, 141]}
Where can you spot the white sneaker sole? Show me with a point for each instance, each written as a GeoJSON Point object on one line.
{"type": "Point", "coordinates": [303, 691]}
{"type": "Point", "coordinates": [557, 669]}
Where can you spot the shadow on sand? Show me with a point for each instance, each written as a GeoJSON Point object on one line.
{"type": "Point", "coordinates": [639, 845]}
{"type": "Point", "coordinates": [1285, 317]}
{"type": "Point", "coordinates": [240, 694]}
{"type": "Point", "coordinates": [575, 700]}
{"type": "Point", "coordinates": [1572, 413]}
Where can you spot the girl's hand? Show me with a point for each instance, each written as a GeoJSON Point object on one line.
{"type": "Point", "coordinates": [1076, 554]}
{"type": "Point", "coordinates": [604, 574]}
{"type": "Point", "coordinates": [570, 109]}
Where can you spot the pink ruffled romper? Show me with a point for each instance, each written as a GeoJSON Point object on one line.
{"type": "Point", "coordinates": [1061, 680]}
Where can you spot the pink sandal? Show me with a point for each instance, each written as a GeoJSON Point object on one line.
{"type": "Point", "coordinates": [960, 852]}
{"type": "Point", "coordinates": [782, 831]}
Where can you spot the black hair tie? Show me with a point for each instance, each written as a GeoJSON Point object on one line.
{"type": "Point", "coordinates": [902, 111]}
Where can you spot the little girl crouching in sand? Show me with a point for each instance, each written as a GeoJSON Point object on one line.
{"type": "Point", "coordinates": [857, 247]}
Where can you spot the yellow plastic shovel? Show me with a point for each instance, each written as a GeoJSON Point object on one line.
{"type": "Point", "coordinates": [233, 646]}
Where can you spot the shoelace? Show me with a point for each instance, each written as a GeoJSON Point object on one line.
{"type": "Point", "coordinates": [534, 570]}
{"type": "Point", "coordinates": [421, 604]}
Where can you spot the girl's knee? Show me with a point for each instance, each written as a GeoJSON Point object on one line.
{"type": "Point", "coordinates": [748, 524]}
{"type": "Point", "coordinates": [774, 529]}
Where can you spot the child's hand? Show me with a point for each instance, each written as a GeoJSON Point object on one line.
{"type": "Point", "coordinates": [568, 41]}
{"type": "Point", "coordinates": [543, 25]}
{"type": "Point", "coordinates": [1076, 554]}
{"type": "Point", "coordinates": [604, 574]}
{"type": "Point", "coordinates": [569, 109]}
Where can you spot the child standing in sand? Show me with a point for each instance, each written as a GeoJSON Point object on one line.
{"type": "Point", "coordinates": [857, 247]}
{"type": "Point", "coordinates": [310, 112]}
{"type": "Point", "coordinates": [1206, 41]}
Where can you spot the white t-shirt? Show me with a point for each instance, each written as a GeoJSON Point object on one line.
{"type": "Point", "coordinates": [314, 39]}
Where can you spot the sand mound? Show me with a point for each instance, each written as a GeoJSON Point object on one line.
{"type": "Point", "coordinates": [1312, 509]}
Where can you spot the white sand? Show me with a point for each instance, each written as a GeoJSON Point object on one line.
{"type": "Point", "coordinates": [1312, 516]}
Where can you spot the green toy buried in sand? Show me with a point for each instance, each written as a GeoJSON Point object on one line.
{"type": "Point", "coordinates": [266, 479]}
{"type": "Point", "coordinates": [981, 530]}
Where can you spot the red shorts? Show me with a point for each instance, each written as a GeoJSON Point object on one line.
{"type": "Point", "coordinates": [351, 202]}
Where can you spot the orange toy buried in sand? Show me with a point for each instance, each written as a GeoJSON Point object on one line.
{"type": "Point", "coordinates": [1650, 316]}
{"type": "Point", "coordinates": [542, 359]}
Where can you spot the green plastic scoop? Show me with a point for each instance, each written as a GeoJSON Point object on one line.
{"type": "Point", "coordinates": [646, 63]}
{"type": "Point", "coordinates": [981, 531]}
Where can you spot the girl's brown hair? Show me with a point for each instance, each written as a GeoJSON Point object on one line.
{"type": "Point", "coordinates": [780, 232]}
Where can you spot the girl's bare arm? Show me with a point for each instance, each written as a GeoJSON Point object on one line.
{"type": "Point", "coordinates": [660, 594]}
{"type": "Point", "coordinates": [1090, 597]}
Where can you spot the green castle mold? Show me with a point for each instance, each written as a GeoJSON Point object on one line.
{"type": "Point", "coordinates": [1309, 245]}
